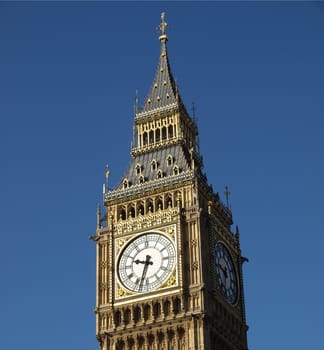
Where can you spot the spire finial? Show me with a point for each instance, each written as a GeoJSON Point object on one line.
{"type": "Point", "coordinates": [193, 110]}
{"type": "Point", "coordinates": [136, 101]}
{"type": "Point", "coordinates": [107, 173]}
{"type": "Point", "coordinates": [227, 194]}
{"type": "Point", "coordinates": [162, 27]}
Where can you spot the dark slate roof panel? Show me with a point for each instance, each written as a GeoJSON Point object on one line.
{"type": "Point", "coordinates": [180, 159]}
{"type": "Point", "coordinates": [163, 93]}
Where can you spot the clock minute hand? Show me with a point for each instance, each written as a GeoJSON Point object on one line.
{"type": "Point", "coordinates": [147, 262]}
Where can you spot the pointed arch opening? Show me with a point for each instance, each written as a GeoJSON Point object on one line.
{"type": "Point", "coordinates": [166, 308]}
{"type": "Point", "coordinates": [169, 160]}
{"type": "Point", "coordinates": [159, 204]}
{"type": "Point", "coordinates": [170, 131]}
{"type": "Point", "coordinates": [137, 314]}
{"type": "Point", "coordinates": [145, 139]}
{"type": "Point", "coordinates": [131, 211]}
{"type": "Point", "coordinates": [151, 136]}
{"type": "Point", "coordinates": [140, 208]}
{"type": "Point", "coordinates": [149, 206]}
{"type": "Point", "coordinates": [164, 133]}
{"type": "Point", "coordinates": [138, 169]}
{"type": "Point", "coordinates": [157, 135]}
{"type": "Point", "coordinates": [127, 316]}
{"type": "Point", "coordinates": [122, 213]}
{"type": "Point", "coordinates": [154, 165]}
{"type": "Point", "coordinates": [168, 201]}
{"type": "Point", "coordinates": [176, 305]}
{"type": "Point", "coordinates": [159, 174]}
{"type": "Point", "coordinates": [157, 310]}
{"type": "Point", "coordinates": [117, 318]}
{"type": "Point", "coordinates": [146, 312]}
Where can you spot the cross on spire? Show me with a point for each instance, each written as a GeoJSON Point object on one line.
{"type": "Point", "coordinates": [162, 27]}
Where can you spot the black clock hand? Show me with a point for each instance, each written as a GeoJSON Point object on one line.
{"type": "Point", "coordinates": [224, 270]}
{"type": "Point", "coordinates": [143, 262]}
{"type": "Point", "coordinates": [139, 261]}
{"type": "Point", "coordinates": [147, 262]}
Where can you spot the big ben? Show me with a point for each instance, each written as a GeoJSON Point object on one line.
{"type": "Point", "coordinates": [169, 267]}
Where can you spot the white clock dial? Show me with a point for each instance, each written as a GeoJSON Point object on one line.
{"type": "Point", "coordinates": [146, 262]}
{"type": "Point", "coordinates": [225, 273]}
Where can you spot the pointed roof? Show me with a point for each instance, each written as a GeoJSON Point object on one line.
{"type": "Point", "coordinates": [167, 163]}
{"type": "Point", "coordinates": [163, 94]}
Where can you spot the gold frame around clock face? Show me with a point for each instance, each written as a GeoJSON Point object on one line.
{"type": "Point", "coordinates": [226, 273]}
{"type": "Point", "coordinates": [146, 262]}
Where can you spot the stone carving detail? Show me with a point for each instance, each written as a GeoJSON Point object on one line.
{"type": "Point", "coordinates": [195, 265]}
{"type": "Point", "coordinates": [103, 286]}
{"type": "Point", "coordinates": [103, 263]}
{"type": "Point", "coordinates": [157, 218]}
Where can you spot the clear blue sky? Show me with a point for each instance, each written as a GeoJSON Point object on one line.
{"type": "Point", "coordinates": [68, 75]}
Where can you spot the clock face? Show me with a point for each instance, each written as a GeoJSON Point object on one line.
{"type": "Point", "coordinates": [225, 273]}
{"type": "Point", "coordinates": [146, 262]}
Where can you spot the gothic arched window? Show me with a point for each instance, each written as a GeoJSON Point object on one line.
{"type": "Point", "coordinates": [169, 160]}
{"type": "Point", "coordinates": [170, 131]}
{"type": "Point", "coordinates": [127, 316]}
{"type": "Point", "coordinates": [117, 318]}
{"type": "Point", "coordinates": [151, 137]}
{"type": "Point", "coordinates": [157, 135]}
{"type": "Point", "coordinates": [166, 308]}
{"type": "Point", "coordinates": [154, 164]}
{"type": "Point", "coordinates": [137, 314]}
{"type": "Point", "coordinates": [138, 169]}
{"type": "Point", "coordinates": [145, 139]}
{"type": "Point", "coordinates": [159, 204]}
{"type": "Point", "coordinates": [146, 312]}
{"type": "Point", "coordinates": [156, 309]}
{"type": "Point", "coordinates": [164, 133]}
{"type": "Point", "coordinates": [140, 209]}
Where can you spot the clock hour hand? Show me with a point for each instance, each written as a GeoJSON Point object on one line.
{"type": "Point", "coordinates": [137, 261]}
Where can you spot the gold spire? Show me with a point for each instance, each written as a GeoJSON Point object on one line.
{"type": "Point", "coordinates": [162, 27]}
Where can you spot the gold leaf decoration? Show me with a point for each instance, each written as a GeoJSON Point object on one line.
{"type": "Point", "coordinates": [171, 281]}
{"type": "Point", "coordinates": [121, 292]}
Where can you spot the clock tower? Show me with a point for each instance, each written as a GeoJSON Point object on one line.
{"type": "Point", "coordinates": [169, 267]}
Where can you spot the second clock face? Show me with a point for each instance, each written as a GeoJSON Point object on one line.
{"type": "Point", "coordinates": [225, 273]}
{"type": "Point", "coordinates": [146, 262]}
